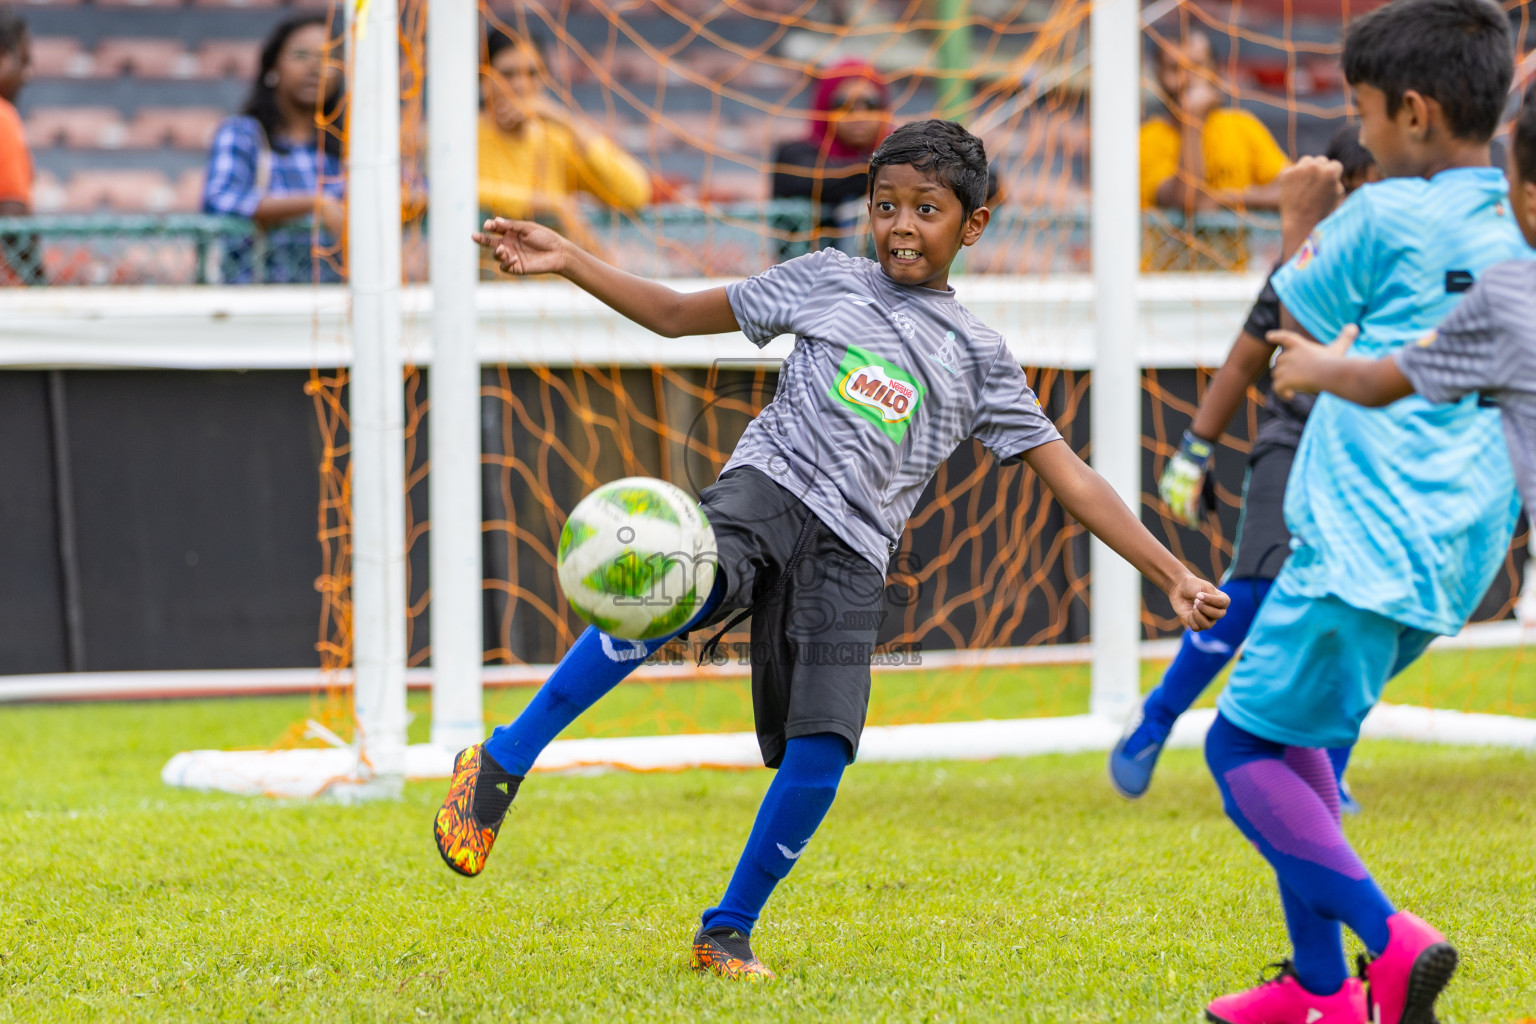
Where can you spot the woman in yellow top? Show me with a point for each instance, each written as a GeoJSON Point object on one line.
{"type": "Point", "coordinates": [1203, 156]}
{"type": "Point", "coordinates": [536, 156]}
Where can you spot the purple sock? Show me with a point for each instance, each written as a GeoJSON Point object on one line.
{"type": "Point", "coordinates": [1285, 800]}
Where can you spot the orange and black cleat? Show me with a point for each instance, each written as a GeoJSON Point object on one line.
{"type": "Point", "coordinates": [478, 798]}
{"type": "Point", "coordinates": [726, 951]}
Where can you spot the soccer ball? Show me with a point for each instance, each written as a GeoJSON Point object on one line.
{"type": "Point", "coordinates": [637, 558]}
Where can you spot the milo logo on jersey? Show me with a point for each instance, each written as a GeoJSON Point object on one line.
{"type": "Point", "coordinates": [878, 390]}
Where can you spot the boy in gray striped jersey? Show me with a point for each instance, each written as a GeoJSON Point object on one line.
{"type": "Point", "coordinates": [1487, 345]}
{"type": "Point", "coordinates": [888, 375]}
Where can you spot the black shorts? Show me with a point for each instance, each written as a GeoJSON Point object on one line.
{"type": "Point", "coordinates": [1263, 541]}
{"type": "Point", "coordinates": [816, 609]}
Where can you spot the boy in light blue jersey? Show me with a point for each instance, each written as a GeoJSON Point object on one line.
{"type": "Point", "coordinates": [1308, 193]}
{"type": "Point", "coordinates": [1400, 517]}
{"type": "Point", "coordinates": [1488, 345]}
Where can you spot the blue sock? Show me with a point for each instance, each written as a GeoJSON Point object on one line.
{"type": "Point", "coordinates": [1317, 943]}
{"type": "Point", "coordinates": [793, 807]}
{"type": "Point", "coordinates": [1285, 801]}
{"type": "Point", "coordinates": [1201, 657]}
{"type": "Point", "coordinates": [595, 664]}
{"type": "Point", "coordinates": [1339, 756]}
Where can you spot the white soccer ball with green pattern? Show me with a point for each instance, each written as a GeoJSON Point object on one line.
{"type": "Point", "coordinates": [637, 558]}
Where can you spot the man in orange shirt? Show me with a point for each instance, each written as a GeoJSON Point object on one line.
{"type": "Point", "coordinates": [1201, 155]}
{"type": "Point", "coordinates": [15, 159]}
{"type": "Point", "coordinates": [537, 156]}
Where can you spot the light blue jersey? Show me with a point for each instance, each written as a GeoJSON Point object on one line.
{"type": "Point", "coordinates": [1405, 511]}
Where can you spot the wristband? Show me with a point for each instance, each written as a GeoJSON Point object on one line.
{"type": "Point", "coordinates": [1197, 449]}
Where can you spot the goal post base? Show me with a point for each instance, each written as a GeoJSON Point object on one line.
{"type": "Point", "coordinates": [337, 774]}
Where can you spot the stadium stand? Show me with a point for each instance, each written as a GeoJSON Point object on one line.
{"type": "Point", "coordinates": [135, 88]}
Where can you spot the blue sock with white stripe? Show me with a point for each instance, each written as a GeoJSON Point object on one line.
{"type": "Point", "coordinates": [1201, 658]}
{"type": "Point", "coordinates": [799, 797]}
{"type": "Point", "coordinates": [595, 664]}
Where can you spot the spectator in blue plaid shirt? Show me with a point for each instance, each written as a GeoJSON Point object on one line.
{"type": "Point", "coordinates": [273, 164]}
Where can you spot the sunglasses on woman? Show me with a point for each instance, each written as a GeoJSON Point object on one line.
{"type": "Point", "coordinates": [859, 103]}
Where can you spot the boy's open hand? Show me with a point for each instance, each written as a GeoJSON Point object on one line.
{"type": "Point", "coordinates": [1198, 603]}
{"type": "Point", "coordinates": [523, 247]}
{"type": "Point", "coordinates": [1303, 364]}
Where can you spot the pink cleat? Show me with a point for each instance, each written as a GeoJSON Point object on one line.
{"type": "Point", "coordinates": [1282, 1000]}
{"type": "Point", "coordinates": [1410, 973]}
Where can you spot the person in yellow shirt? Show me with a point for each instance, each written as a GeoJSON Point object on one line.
{"type": "Point", "coordinates": [536, 156]}
{"type": "Point", "coordinates": [1200, 155]}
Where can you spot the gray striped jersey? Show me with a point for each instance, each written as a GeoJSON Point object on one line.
{"type": "Point", "coordinates": [1488, 345]}
{"type": "Point", "coordinates": [884, 383]}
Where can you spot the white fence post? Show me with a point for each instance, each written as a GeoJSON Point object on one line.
{"type": "Point", "coordinates": [453, 46]}
{"type": "Point", "coordinates": [376, 393]}
{"type": "Point", "coordinates": [1116, 392]}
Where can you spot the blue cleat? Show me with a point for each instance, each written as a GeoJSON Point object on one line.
{"type": "Point", "coordinates": [1347, 802]}
{"type": "Point", "coordinates": [1134, 758]}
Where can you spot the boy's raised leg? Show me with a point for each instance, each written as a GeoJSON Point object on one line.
{"type": "Point", "coordinates": [486, 776]}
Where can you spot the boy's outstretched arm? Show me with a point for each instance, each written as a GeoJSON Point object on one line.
{"type": "Point", "coordinates": [1090, 500]}
{"type": "Point", "coordinates": [522, 247]}
{"type": "Point", "coordinates": [1304, 365]}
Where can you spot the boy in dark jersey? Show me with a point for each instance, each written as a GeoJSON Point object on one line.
{"type": "Point", "coordinates": [889, 374]}
{"type": "Point", "coordinates": [1262, 539]}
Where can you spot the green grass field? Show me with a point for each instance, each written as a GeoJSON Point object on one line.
{"type": "Point", "coordinates": [1011, 889]}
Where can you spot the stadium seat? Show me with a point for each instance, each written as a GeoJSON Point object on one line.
{"type": "Point", "coordinates": [734, 187]}
{"type": "Point", "coordinates": [630, 64]}
{"type": "Point", "coordinates": [698, 130]}
{"type": "Point", "coordinates": [85, 192]}
{"type": "Point", "coordinates": [188, 191]}
{"type": "Point", "coordinates": [229, 58]}
{"type": "Point", "coordinates": [759, 74]}
{"type": "Point", "coordinates": [181, 127]}
{"type": "Point", "coordinates": [1050, 192]}
{"type": "Point", "coordinates": [565, 66]}
{"type": "Point", "coordinates": [76, 127]}
{"type": "Point", "coordinates": [47, 193]}
{"type": "Point", "coordinates": [138, 191]}
{"type": "Point", "coordinates": [145, 58]}
{"type": "Point", "coordinates": [60, 57]}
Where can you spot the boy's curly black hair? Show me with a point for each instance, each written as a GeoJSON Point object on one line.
{"type": "Point", "coordinates": [943, 150]}
{"type": "Point", "coordinates": [1456, 52]}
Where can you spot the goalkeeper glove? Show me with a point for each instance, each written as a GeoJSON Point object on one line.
{"type": "Point", "coordinates": [1184, 482]}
